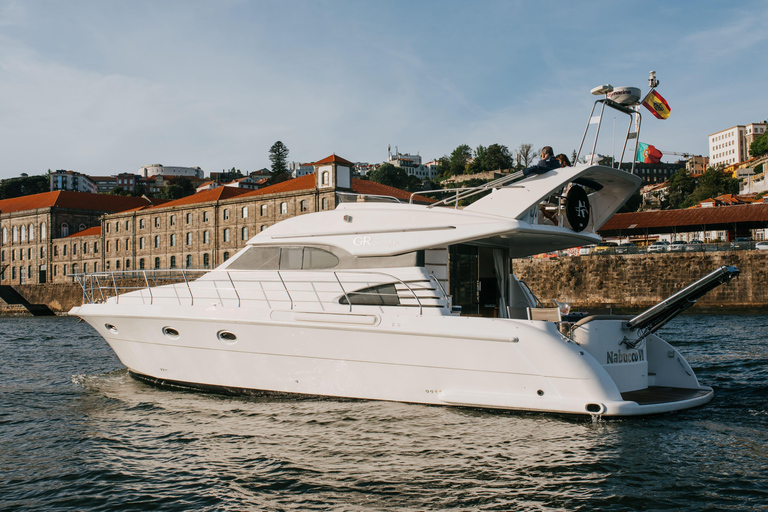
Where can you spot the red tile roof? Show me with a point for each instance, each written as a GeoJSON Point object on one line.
{"type": "Point", "coordinates": [333, 159]}
{"type": "Point", "coordinates": [306, 182]}
{"type": "Point", "coordinates": [74, 200]}
{"type": "Point", "coordinates": [699, 218]}
{"type": "Point", "coordinates": [213, 194]}
{"type": "Point", "coordinates": [96, 230]}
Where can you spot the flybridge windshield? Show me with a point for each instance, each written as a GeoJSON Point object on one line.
{"type": "Point", "coordinates": [345, 197]}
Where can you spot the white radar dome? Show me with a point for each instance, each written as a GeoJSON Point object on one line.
{"type": "Point", "coordinates": [625, 95]}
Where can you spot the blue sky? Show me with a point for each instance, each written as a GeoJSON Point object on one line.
{"type": "Point", "coordinates": [103, 87]}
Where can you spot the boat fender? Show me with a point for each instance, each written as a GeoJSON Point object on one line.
{"type": "Point", "coordinates": [577, 208]}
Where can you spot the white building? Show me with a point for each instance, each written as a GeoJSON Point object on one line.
{"type": "Point", "coordinates": [298, 169]}
{"type": "Point", "coordinates": [731, 146]}
{"type": "Point", "coordinates": [159, 170]}
{"type": "Point", "coordinates": [412, 165]}
{"type": "Point", "coordinates": [71, 180]}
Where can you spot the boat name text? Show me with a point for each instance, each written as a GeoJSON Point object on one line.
{"type": "Point", "coordinates": [635, 356]}
{"type": "Point", "coordinates": [361, 241]}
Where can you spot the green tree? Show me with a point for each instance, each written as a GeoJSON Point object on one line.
{"type": "Point", "coordinates": [681, 185]}
{"type": "Point", "coordinates": [388, 174]}
{"type": "Point", "coordinates": [498, 158]}
{"type": "Point", "coordinates": [178, 187]}
{"type": "Point", "coordinates": [759, 146]}
{"type": "Point", "coordinates": [459, 159]}
{"type": "Point", "coordinates": [24, 186]}
{"type": "Point", "coordinates": [278, 155]}
{"type": "Point", "coordinates": [712, 183]}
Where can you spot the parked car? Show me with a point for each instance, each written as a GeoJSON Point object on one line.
{"type": "Point", "coordinates": [606, 248]}
{"type": "Point", "coordinates": [586, 250]}
{"type": "Point", "coordinates": [741, 242]}
{"type": "Point", "coordinates": [762, 246]}
{"type": "Point", "coordinates": [627, 248]}
{"type": "Point", "coordinates": [676, 247]}
{"type": "Point", "coordinates": [694, 245]}
{"type": "Point", "coordinates": [658, 246]}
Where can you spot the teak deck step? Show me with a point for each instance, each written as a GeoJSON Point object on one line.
{"type": "Point", "coordinates": [660, 394]}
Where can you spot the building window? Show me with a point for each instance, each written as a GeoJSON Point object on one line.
{"type": "Point", "coordinates": [263, 210]}
{"type": "Point", "coordinates": [244, 233]}
{"type": "Point", "coordinates": [141, 223]}
{"type": "Point", "coordinates": [283, 208]}
{"type": "Point", "coordinates": [157, 263]}
{"type": "Point", "coordinates": [55, 270]}
{"type": "Point", "coordinates": [64, 250]}
{"type": "Point", "coordinates": [206, 260]}
{"type": "Point", "coordinates": [226, 255]}
{"type": "Point", "coordinates": [5, 235]}
{"type": "Point", "coordinates": [117, 265]}
{"type": "Point", "coordinates": [43, 231]}
{"type": "Point", "coordinates": [65, 269]}
{"type": "Point", "coordinates": [157, 222]}
{"type": "Point", "coordinates": [205, 216]}
{"type": "Point", "coordinates": [262, 228]}
{"type": "Point", "coordinates": [173, 240]}
{"type": "Point", "coordinates": [173, 220]}
{"type": "Point", "coordinates": [85, 247]}
{"type": "Point", "coordinates": [157, 240]}
{"type": "Point", "coordinates": [206, 237]}
{"type": "Point", "coordinates": [96, 266]}
{"type": "Point", "coordinates": [55, 250]}
{"type": "Point", "coordinates": [23, 233]}
{"type": "Point", "coordinates": [173, 261]}
{"type": "Point", "coordinates": [226, 235]}
{"type": "Point", "coordinates": [95, 247]}
{"type": "Point", "coordinates": [188, 218]}
{"type": "Point", "coordinates": [106, 226]}
{"type": "Point", "coordinates": [117, 245]}
{"type": "Point", "coordinates": [245, 212]}
{"type": "Point", "coordinates": [85, 268]}
{"type": "Point", "coordinates": [127, 264]}
{"type": "Point", "coordinates": [127, 225]}
{"type": "Point", "coordinates": [141, 264]}
{"type": "Point", "coordinates": [64, 230]}
{"type": "Point", "coordinates": [225, 214]}
{"type": "Point", "coordinates": [189, 238]}
{"type": "Point", "coordinates": [325, 203]}
{"type": "Point", "coordinates": [189, 261]}
{"type": "Point", "coordinates": [117, 227]}
{"type": "Point", "coordinates": [303, 205]}
{"type": "Point", "coordinates": [326, 178]}
{"type": "Point", "coordinates": [74, 249]}
{"type": "Point", "coordinates": [141, 242]}
{"type": "Point", "coordinates": [31, 233]}
{"type": "Point", "coordinates": [13, 273]}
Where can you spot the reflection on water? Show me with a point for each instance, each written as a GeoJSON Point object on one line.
{"type": "Point", "coordinates": [100, 440]}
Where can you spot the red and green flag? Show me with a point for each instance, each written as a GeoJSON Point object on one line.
{"type": "Point", "coordinates": [657, 105]}
{"type": "Point", "coordinates": [648, 154]}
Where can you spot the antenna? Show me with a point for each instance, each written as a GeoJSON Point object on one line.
{"type": "Point", "coordinates": [652, 82]}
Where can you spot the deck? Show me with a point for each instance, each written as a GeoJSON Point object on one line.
{"type": "Point", "coordinates": [660, 394]}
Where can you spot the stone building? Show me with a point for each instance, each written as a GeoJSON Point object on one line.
{"type": "Point", "coordinates": [31, 228]}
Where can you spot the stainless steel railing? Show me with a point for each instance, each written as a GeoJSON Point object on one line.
{"type": "Point", "coordinates": [238, 287]}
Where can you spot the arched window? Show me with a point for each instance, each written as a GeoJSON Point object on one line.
{"type": "Point", "coordinates": [15, 234]}
{"type": "Point", "coordinates": [31, 232]}
{"type": "Point", "coordinates": [157, 240]}
{"type": "Point", "coordinates": [173, 261]}
{"type": "Point", "coordinates": [117, 265]}
{"type": "Point", "coordinates": [206, 260]}
{"type": "Point", "coordinates": [303, 205]}
{"type": "Point", "coordinates": [226, 255]}
{"type": "Point", "coordinates": [225, 214]}
{"type": "Point", "coordinates": [189, 238]}
{"type": "Point", "coordinates": [245, 212]}
{"type": "Point", "coordinates": [325, 178]}
{"type": "Point", "coordinates": [206, 237]}
{"type": "Point", "coordinates": [82, 227]}
{"type": "Point", "coordinates": [157, 262]}
{"type": "Point", "coordinates": [85, 247]}
{"type": "Point", "coordinates": [5, 235]}
{"type": "Point", "coordinates": [141, 242]}
{"type": "Point", "coordinates": [96, 266]}
{"type": "Point", "coordinates": [64, 229]}
{"type": "Point", "coordinates": [127, 264]}
{"type": "Point", "coordinates": [263, 210]}
{"type": "Point", "coordinates": [244, 233]}
{"type": "Point", "coordinates": [325, 203]}
{"type": "Point", "coordinates": [226, 235]}
{"type": "Point", "coordinates": [189, 218]}
{"type": "Point", "coordinates": [189, 261]}
{"type": "Point", "coordinates": [23, 233]}
{"type": "Point", "coordinates": [85, 268]}
{"type": "Point", "coordinates": [173, 220]}
{"type": "Point", "coordinates": [141, 264]}
{"type": "Point", "coordinates": [173, 240]}
{"type": "Point", "coordinates": [283, 208]}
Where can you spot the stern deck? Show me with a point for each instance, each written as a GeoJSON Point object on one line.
{"type": "Point", "coordinates": [661, 394]}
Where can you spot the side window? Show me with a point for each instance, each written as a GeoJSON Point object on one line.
{"type": "Point", "coordinates": [382, 295]}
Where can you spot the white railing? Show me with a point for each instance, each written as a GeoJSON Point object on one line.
{"type": "Point", "coordinates": [311, 290]}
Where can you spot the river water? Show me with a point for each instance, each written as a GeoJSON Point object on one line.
{"type": "Point", "coordinates": [78, 433]}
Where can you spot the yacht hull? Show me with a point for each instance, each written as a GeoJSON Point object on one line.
{"type": "Point", "coordinates": [426, 359]}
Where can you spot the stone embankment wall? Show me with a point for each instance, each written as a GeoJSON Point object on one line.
{"type": "Point", "coordinates": [630, 282]}
{"type": "Point", "coordinates": [638, 281]}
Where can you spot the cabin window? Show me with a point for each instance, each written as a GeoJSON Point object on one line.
{"type": "Point", "coordinates": [382, 295]}
{"type": "Point", "coordinates": [285, 258]}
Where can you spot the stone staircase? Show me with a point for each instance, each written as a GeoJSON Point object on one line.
{"type": "Point", "coordinates": [12, 303]}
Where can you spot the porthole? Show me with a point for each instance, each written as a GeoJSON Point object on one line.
{"type": "Point", "coordinates": [226, 336]}
{"type": "Point", "coordinates": [171, 332]}
{"type": "Point", "coordinates": [540, 392]}
{"type": "Point", "coordinates": [111, 328]}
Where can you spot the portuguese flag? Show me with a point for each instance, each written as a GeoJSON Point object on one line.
{"type": "Point", "coordinates": [648, 154]}
{"type": "Point", "coordinates": [657, 105]}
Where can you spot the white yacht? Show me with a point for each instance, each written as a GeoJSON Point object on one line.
{"type": "Point", "coordinates": [358, 302]}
